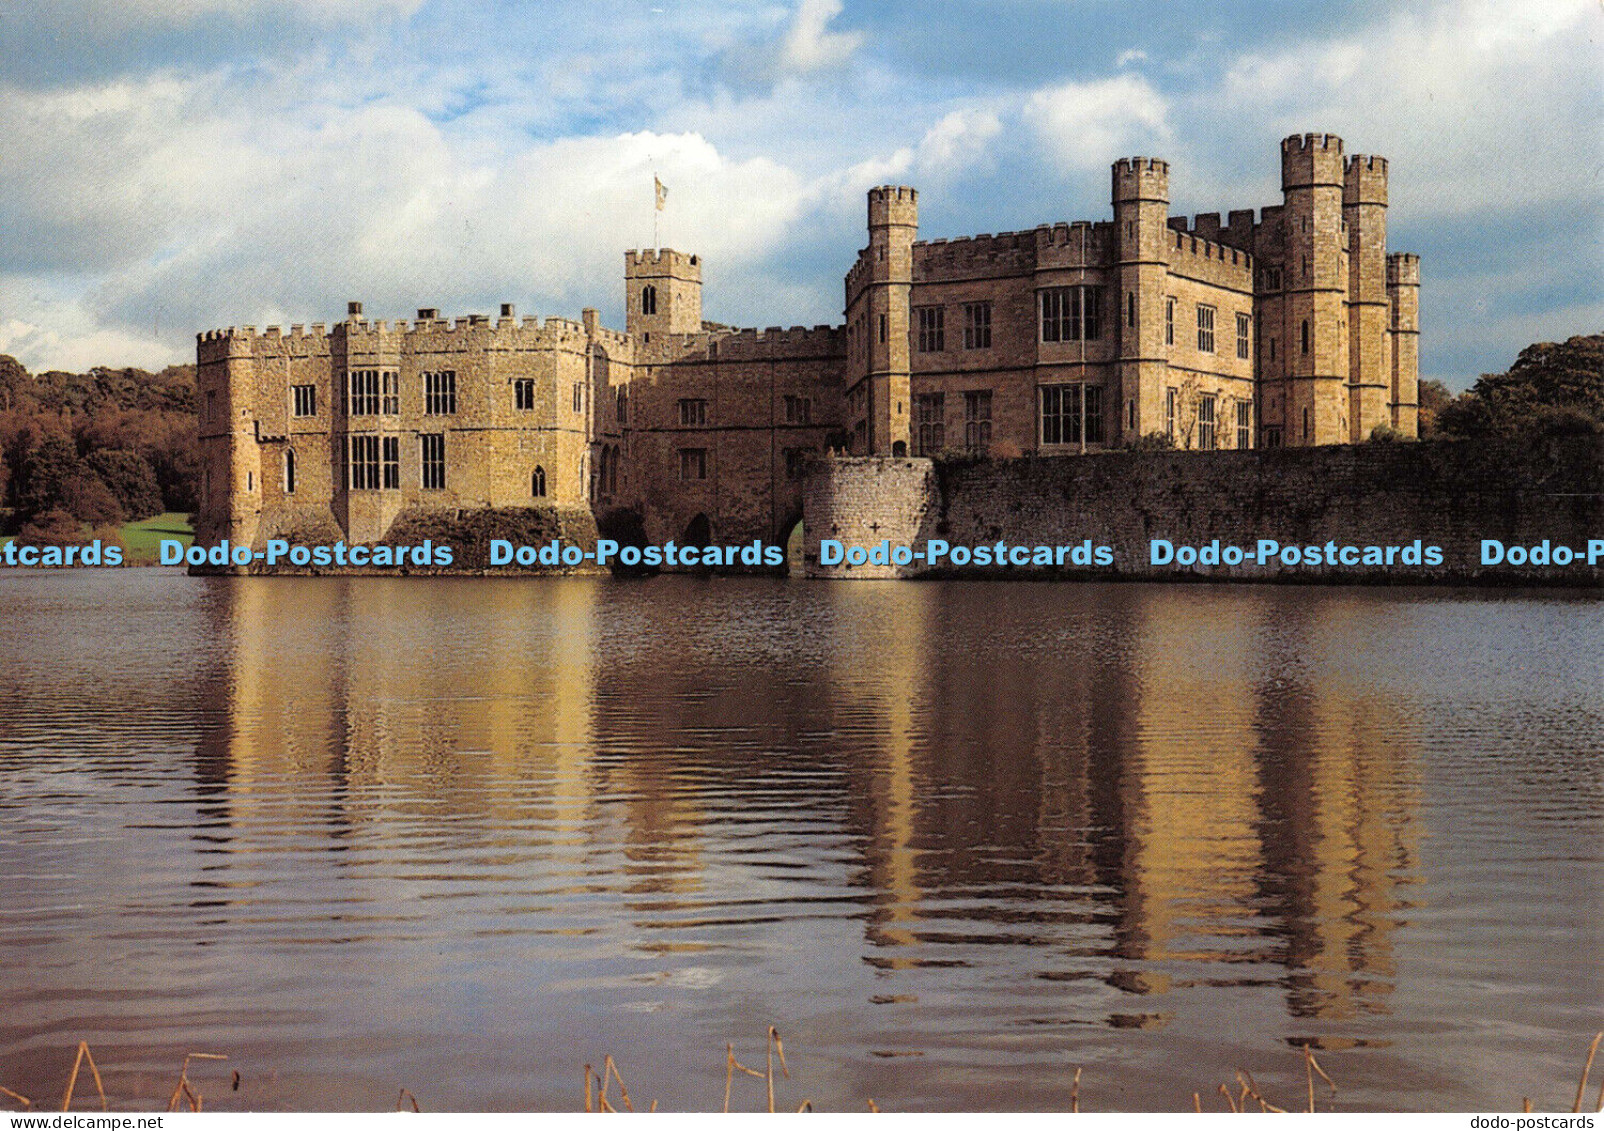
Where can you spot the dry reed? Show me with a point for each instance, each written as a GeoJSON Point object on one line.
{"type": "Point", "coordinates": [21, 1099]}
{"type": "Point", "coordinates": [72, 1081]}
{"type": "Point", "coordinates": [184, 1090]}
{"type": "Point", "coordinates": [1581, 1085]}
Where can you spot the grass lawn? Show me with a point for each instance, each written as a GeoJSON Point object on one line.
{"type": "Point", "coordinates": [141, 539]}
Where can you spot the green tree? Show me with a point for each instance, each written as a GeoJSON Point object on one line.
{"type": "Point", "coordinates": [1553, 388]}
{"type": "Point", "coordinates": [131, 479]}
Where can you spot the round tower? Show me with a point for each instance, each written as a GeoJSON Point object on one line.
{"type": "Point", "coordinates": [1316, 279]}
{"type": "Point", "coordinates": [1141, 199]}
{"type": "Point", "coordinates": [893, 226]}
{"type": "Point", "coordinates": [1364, 211]}
{"type": "Point", "coordinates": [1403, 293]}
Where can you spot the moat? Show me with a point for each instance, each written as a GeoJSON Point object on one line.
{"type": "Point", "coordinates": [955, 840]}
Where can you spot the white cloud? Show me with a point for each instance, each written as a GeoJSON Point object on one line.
{"type": "Point", "coordinates": [1479, 104]}
{"type": "Point", "coordinates": [809, 46]}
{"type": "Point", "coordinates": [957, 140]}
{"type": "Point", "coordinates": [1089, 124]}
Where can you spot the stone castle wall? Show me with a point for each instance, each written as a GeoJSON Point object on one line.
{"type": "Point", "coordinates": [1448, 494]}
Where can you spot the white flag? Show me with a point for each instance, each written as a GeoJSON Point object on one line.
{"type": "Point", "coordinates": [662, 192]}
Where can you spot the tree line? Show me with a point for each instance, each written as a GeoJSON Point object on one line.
{"type": "Point", "coordinates": [1553, 389]}
{"type": "Point", "coordinates": [94, 449]}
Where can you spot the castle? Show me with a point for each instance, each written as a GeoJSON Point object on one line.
{"type": "Point", "coordinates": [1296, 328]}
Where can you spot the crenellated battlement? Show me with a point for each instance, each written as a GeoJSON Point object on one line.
{"type": "Point", "coordinates": [1365, 180]}
{"type": "Point", "coordinates": [1311, 161]}
{"type": "Point", "coordinates": [1141, 179]}
{"type": "Point", "coordinates": [1403, 269]}
{"type": "Point", "coordinates": [1185, 246]}
{"type": "Point", "coordinates": [894, 206]}
{"type": "Point", "coordinates": [529, 331]}
{"type": "Point", "coordinates": [1311, 142]}
{"type": "Point", "coordinates": [662, 261]}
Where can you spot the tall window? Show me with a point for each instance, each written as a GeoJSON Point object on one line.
{"type": "Point", "coordinates": [1305, 335]}
{"type": "Point", "coordinates": [364, 398]}
{"type": "Point", "coordinates": [623, 405]}
{"type": "Point", "coordinates": [799, 410]}
{"type": "Point", "coordinates": [289, 471]}
{"type": "Point", "coordinates": [977, 326]}
{"type": "Point", "coordinates": [977, 420]}
{"type": "Point", "coordinates": [305, 400]}
{"type": "Point", "coordinates": [796, 462]}
{"type": "Point", "coordinates": [523, 394]}
{"type": "Point", "coordinates": [537, 483]}
{"type": "Point", "coordinates": [1070, 314]}
{"type": "Point", "coordinates": [433, 451]}
{"type": "Point", "coordinates": [391, 462]}
{"type": "Point", "coordinates": [692, 414]}
{"type": "Point", "coordinates": [1243, 325]}
{"type": "Point", "coordinates": [693, 463]}
{"type": "Point", "coordinates": [1061, 413]}
{"type": "Point", "coordinates": [930, 411]}
{"type": "Point", "coordinates": [439, 393]}
{"type": "Point", "coordinates": [390, 383]}
{"type": "Point", "coordinates": [932, 329]}
{"type": "Point", "coordinates": [1205, 328]}
{"type": "Point", "coordinates": [364, 463]}
{"type": "Point", "coordinates": [1169, 321]}
{"type": "Point", "coordinates": [1130, 309]}
{"type": "Point", "coordinates": [882, 327]}
{"type": "Point", "coordinates": [1308, 425]}
{"type": "Point", "coordinates": [579, 397]}
{"type": "Point", "coordinates": [1205, 423]}
{"type": "Point", "coordinates": [1169, 410]}
{"type": "Point", "coordinates": [648, 299]}
{"type": "Point", "coordinates": [1244, 424]}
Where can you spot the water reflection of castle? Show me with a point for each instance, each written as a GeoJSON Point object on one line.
{"type": "Point", "coordinates": [1151, 794]}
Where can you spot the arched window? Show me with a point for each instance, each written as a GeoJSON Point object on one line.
{"type": "Point", "coordinates": [289, 471]}
{"type": "Point", "coordinates": [537, 483]}
{"type": "Point", "coordinates": [1305, 335]}
{"type": "Point", "coordinates": [648, 299]}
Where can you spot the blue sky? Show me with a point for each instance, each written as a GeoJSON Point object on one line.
{"type": "Point", "coordinates": [176, 165]}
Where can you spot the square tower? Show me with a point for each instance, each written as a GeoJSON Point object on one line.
{"type": "Point", "coordinates": [662, 292]}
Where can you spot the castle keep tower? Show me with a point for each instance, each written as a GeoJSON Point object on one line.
{"type": "Point", "coordinates": [1364, 210]}
{"type": "Point", "coordinates": [1141, 198]}
{"type": "Point", "coordinates": [893, 225]}
{"type": "Point", "coordinates": [662, 293]}
{"type": "Point", "coordinates": [1312, 184]}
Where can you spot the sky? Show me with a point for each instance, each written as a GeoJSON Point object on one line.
{"type": "Point", "coordinates": [171, 166]}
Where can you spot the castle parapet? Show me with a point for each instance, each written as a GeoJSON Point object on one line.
{"type": "Point", "coordinates": [1365, 180]}
{"type": "Point", "coordinates": [1141, 179]}
{"type": "Point", "coordinates": [1185, 244]}
{"type": "Point", "coordinates": [894, 206]}
{"type": "Point", "coordinates": [1311, 160]}
{"type": "Point", "coordinates": [1403, 269]}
